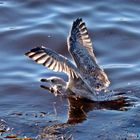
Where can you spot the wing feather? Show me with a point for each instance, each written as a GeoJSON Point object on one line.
{"type": "Point", "coordinates": [79, 34]}
{"type": "Point", "coordinates": [37, 55]}
{"type": "Point", "coordinates": [80, 48]}
{"type": "Point", "coordinates": [52, 60]}
{"type": "Point", "coordinates": [42, 59]}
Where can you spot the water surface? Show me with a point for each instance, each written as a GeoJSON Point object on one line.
{"type": "Point", "coordinates": [114, 29]}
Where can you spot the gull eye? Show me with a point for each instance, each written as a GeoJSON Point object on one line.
{"type": "Point", "coordinates": [59, 87]}
{"type": "Point", "coordinates": [98, 86]}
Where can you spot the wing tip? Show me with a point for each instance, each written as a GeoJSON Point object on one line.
{"type": "Point", "coordinates": [36, 49]}
{"type": "Point", "coordinates": [79, 29]}
{"type": "Point", "coordinates": [77, 22]}
{"type": "Point", "coordinates": [27, 53]}
{"type": "Point", "coordinates": [79, 32]}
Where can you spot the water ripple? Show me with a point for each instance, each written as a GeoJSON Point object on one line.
{"type": "Point", "coordinates": [114, 29]}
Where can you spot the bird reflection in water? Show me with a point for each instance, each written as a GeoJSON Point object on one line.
{"type": "Point", "coordinates": [79, 107]}
{"type": "Point", "coordinates": [77, 113]}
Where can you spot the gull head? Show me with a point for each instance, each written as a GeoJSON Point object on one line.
{"type": "Point", "coordinates": [55, 85]}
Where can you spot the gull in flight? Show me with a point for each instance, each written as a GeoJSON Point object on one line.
{"type": "Point", "coordinates": [86, 79]}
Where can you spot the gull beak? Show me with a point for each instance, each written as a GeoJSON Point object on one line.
{"type": "Point", "coordinates": [48, 84]}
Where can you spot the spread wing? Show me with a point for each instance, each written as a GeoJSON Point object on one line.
{"type": "Point", "coordinates": [52, 60]}
{"type": "Point", "coordinates": [79, 34]}
{"type": "Point", "coordinates": [80, 47]}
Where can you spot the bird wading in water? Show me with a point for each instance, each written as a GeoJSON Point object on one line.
{"type": "Point", "coordinates": [86, 79]}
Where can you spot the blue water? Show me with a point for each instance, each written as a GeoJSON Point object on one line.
{"type": "Point", "coordinates": [115, 32]}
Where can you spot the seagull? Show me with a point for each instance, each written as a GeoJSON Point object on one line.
{"type": "Point", "coordinates": [86, 79]}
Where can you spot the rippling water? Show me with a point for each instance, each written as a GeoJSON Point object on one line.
{"type": "Point", "coordinates": [114, 28]}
